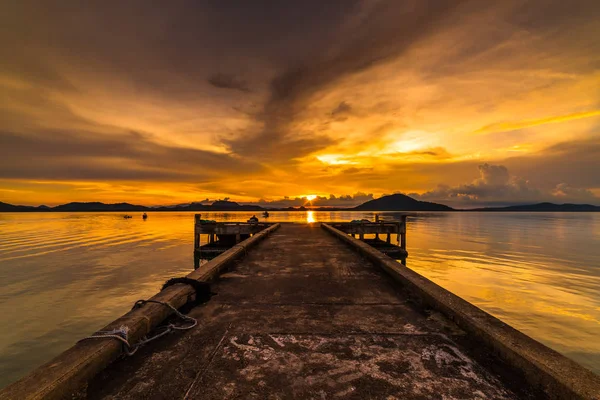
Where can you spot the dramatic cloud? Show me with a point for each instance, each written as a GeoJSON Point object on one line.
{"type": "Point", "coordinates": [575, 161]}
{"type": "Point", "coordinates": [566, 193]}
{"type": "Point", "coordinates": [86, 156]}
{"type": "Point", "coordinates": [262, 99]}
{"type": "Point", "coordinates": [495, 186]}
{"type": "Point", "coordinates": [371, 36]}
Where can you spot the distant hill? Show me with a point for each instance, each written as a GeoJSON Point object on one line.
{"type": "Point", "coordinates": [394, 202]}
{"type": "Point", "coordinates": [219, 205]}
{"type": "Point", "coordinates": [231, 205]}
{"type": "Point", "coordinates": [5, 207]}
{"type": "Point", "coordinates": [97, 206]}
{"type": "Point", "coordinates": [400, 202]}
{"type": "Point", "coordinates": [551, 207]}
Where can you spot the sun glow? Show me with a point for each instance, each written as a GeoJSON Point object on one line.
{"type": "Point", "coordinates": [311, 197]}
{"type": "Point", "coordinates": [334, 159]}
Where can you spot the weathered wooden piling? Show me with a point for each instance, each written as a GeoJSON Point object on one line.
{"type": "Point", "coordinates": [225, 232]}
{"type": "Point", "coordinates": [221, 236]}
{"type": "Point", "coordinates": [379, 227]}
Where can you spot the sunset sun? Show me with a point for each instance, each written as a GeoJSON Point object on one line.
{"type": "Point", "coordinates": [311, 197]}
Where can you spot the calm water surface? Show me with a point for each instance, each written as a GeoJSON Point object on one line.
{"type": "Point", "coordinates": [65, 275]}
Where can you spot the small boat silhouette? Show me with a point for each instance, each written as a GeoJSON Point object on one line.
{"type": "Point", "coordinates": [127, 216]}
{"type": "Point", "coordinates": [266, 214]}
{"type": "Point", "coordinates": [144, 216]}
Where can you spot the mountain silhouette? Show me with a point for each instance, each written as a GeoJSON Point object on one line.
{"type": "Point", "coordinates": [5, 207]}
{"type": "Point", "coordinates": [97, 206]}
{"type": "Point", "coordinates": [394, 202]}
{"type": "Point", "coordinates": [400, 202]}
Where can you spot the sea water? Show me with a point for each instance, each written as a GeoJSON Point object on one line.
{"type": "Point", "coordinates": [66, 275]}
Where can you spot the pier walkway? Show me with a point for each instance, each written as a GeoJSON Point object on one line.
{"type": "Point", "coordinates": [303, 317]}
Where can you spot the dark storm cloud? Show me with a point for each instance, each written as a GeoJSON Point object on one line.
{"type": "Point", "coordinates": [171, 48]}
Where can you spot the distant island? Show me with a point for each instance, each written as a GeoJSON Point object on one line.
{"type": "Point", "coordinates": [394, 202]}
{"type": "Point", "coordinates": [551, 207]}
{"type": "Point", "coordinates": [400, 202]}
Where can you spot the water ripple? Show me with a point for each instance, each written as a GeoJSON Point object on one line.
{"type": "Point", "coordinates": [64, 275]}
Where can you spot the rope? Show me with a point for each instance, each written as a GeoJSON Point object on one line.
{"type": "Point", "coordinates": [121, 333]}
{"type": "Point", "coordinates": [184, 317]}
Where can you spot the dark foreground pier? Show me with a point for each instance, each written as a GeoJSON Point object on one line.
{"type": "Point", "coordinates": [310, 313]}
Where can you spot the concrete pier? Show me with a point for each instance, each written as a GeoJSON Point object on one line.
{"type": "Point", "coordinates": [301, 316]}
{"type": "Point", "coordinates": [308, 312]}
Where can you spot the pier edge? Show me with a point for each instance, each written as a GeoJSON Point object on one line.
{"type": "Point", "coordinates": [69, 372]}
{"type": "Point", "coordinates": [556, 375]}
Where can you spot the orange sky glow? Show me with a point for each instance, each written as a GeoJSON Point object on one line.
{"type": "Point", "coordinates": [458, 102]}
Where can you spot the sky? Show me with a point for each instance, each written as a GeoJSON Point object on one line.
{"type": "Point", "coordinates": [466, 103]}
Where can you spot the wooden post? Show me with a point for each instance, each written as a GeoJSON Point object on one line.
{"type": "Point", "coordinates": [211, 238]}
{"type": "Point", "coordinates": [403, 233]}
{"type": "Point", "coordinates": [388, 239]}
{"type": "Point", "coordinates": [196, 231]}
{"type": "Point", "coordinates": [361, 236]}
{"type": "Point", "coordinates": [377, 236]}
{"type": "Point", "coordinates": [197, 247]}
{"type": "Point", "coordinates": [376, 217]}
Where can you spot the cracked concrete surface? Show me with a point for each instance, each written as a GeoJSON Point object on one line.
{"type": "Point", "coordinates": [304, 317]}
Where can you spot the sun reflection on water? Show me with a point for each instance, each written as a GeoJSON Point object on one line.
{"type": "Point", "coordinates": [310, 217]}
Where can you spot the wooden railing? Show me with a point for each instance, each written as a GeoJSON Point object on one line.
{"type": "Point", "coordinates": [377, 228]}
